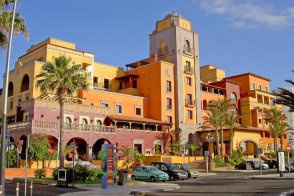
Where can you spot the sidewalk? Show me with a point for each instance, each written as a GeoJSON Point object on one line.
{"type": "Point", "coordinates": [275, 176]}
{"type": "Point", "coordinates": [132, 188]}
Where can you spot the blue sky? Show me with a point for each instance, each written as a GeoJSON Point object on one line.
{"type": "Point", "coordinates": [236, 35]}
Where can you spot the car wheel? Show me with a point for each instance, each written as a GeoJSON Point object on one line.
{"type": "Point", "coordinates": [172, 178]}
{"type": "Point", "coordinates": [133, 177]}
{"type": "Point", "coordinates": [152, 179]}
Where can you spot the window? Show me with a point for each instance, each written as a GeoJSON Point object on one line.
{"type": "Point", "coordinates": [138, 110]}
{"type": "Point", "coordinates": [233, 97]}
{"type": "Point", "coordinates": [118, 109]}
{"type": "Point", "coordinates": [168, 86]}
{"type": "Point", "coordinates": [252, 86]}
{"type": "Point", "coordinates": [259, 122]}
{"type": "Point", "coordinates": [138, 147]}
{"type": "Point", "coordinates": [163, 47]}
{"type": "Point", "coordinates": [170, 120]}
{"type": "Point", "coordinates": [67, 122]}
{"type": "Point", "coordinates": [266, 90]}
{"type": "Point", "coordinates": [10, 89]}
{"type": "Point", "coordinates": [259, 87]}
{"type": "Point", "coordinates": [188, 81]}
{"type": "Point", "coordinates": [266, 122]}
{"type": "Point", "coordinates": [95, 81]}
{"type": "Point", "coordinates": [188, 66]}
{"type": "Point", "coordinates": [106, 84]}
{"type": "Point", "coordinates": [25, 85]}
{"type": "Point", "coordinates": [167, 73]}
{"type": "Point", "coordinates": [189, 99]}
{"type": "Point", "coordinates": [168, 104]}
{"type": "Point", "coordinates": [187, 46]}
{"type": "Point", "coordinates": [189, 114]}
{"type": "Point", "coordinates": [84, 123]}
{"type": "Point", "coordinates": [19, 100]}
{"type": "Point", "coordinates": [234, 110]}
{"type": "Point", "coordinates": [134, 83]}
{"type": "Point", "coordinates": [98, 122]}
{"type": "Point", "coordinates": [104, 104]}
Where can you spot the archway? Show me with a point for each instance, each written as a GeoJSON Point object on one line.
{"type": "Point", "coordinates": [98, 145]}
{"type": "Point", "coordinates": [250, 146]}
{"type": "Point", "coordinates": [53, 141]}
{"type": "Point", "coordinates": [25, 85]}
{"type": "Point", "coordinates": [82, 150]}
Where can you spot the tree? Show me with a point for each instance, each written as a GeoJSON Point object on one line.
{"type": "Point", "coordinates": [275, 117]}
{"type": "Point", "coordinates": [128, 154]}
{"type": "Point", "coordinates": [282, 127]}
{"type": "Point", "coordinates": [212, 121]}
{"type": "Point", "coordinates": [232, 123]}
{"type": "Point", "coordinates": [62, 78]}
{"type": "Point", "coordinates": [285, 96]}
{"type": "Point", "coordinates": [5, 22]}
{"type": "Point", "coordinates": [38, 147]}
{"type": "Point", "coordinates": [139, 156]}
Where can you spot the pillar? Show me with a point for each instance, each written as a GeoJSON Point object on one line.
{"type": "Point", "coordinates": [87, 152]}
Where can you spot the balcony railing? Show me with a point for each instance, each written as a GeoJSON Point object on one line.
{"type": "Point", "coordinates": [188, 50]}
{"type": "Point", "coordinates": [189, 70]}
{"type": "Point", "coordinates": [102, 86]}
{"type": "Point", "coordinates": [54, 126]}
{"type": "Point", "coordinates": [189, 103]}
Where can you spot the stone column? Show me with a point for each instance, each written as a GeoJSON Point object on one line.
{"type": "Point", "coordinates": [87, 152]}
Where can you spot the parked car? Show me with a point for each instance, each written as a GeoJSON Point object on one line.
{"type": "Point", "coordinates": [256, 165]}
{"type": "Point", "coordinates": [149, 173]}
{"type": "Point", "coordinates": [271, 163]}
{"type": "Point", "coordinates": [241, 165]}
{"type": "Point", "coordinates": [191, 173]}
{"type": "Point", "coordinates": [172, 170]}
{"type": "Point", "coordinates": [291, 167]}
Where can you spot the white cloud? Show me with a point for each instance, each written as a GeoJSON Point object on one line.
{"type": "Point", "coordinates": [249, 13]}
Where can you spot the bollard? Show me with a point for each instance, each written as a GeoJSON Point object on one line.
{"type": "Point", "coordinates": [17, 189]}
{"type": "Point", "coordinates": [31, 187]}
{"type": "Point", "coordinates": [1, 190]}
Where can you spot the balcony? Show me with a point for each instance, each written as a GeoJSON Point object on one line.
{"type": "Point", "coordinates": [189, 103]}
{"type": "Point", "coordinates": [189, 70]}
{"type": "Point", "coordinates": [102, 86]}
{"type": "Point", "coordinates": [188, 50]}
{"type": "Point", "coordinates": [54, 126]}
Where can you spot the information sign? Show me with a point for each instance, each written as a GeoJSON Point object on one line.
{"type": "Point", "coordinates": [281, 161]}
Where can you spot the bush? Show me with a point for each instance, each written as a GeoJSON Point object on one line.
{"type": "Point", "coordinates": [11, 158]}
{"type": "Point", "coordinates": [237, 157]}
{"type": "Point", "coordinates": [39, 173]}
{"type": "Point", "coordinates": [219, 162]}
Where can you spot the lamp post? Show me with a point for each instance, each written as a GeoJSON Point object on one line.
{"type": "Point", "coordinates": [4, 107]}
{"type": "Point", "coordinates": [209, 138]}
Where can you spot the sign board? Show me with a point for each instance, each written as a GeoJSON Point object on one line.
{"type": "Point", "coordinates": [281, 161]}
{"type": "Point", "coordinates": [107, 156]}
{"type": "Point", "coordinates": [288, 148]}
{"type": "Point", "coordinates": [72, 144]}
{"type": "Point", "coordinates": [259, 150]}
{"type": "Point", "coordinates": [206, 153]}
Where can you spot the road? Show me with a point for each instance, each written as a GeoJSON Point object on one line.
{"type": "Point", "coordinates": [233, 183]}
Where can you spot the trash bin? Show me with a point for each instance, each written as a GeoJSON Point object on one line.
{"type": "Point", "coordinates": [122, 177]}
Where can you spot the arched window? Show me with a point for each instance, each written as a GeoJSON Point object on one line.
{"type": "Point", "coordinates": [10, 89]}
{"type": "Point", "coordinates": [98, 122]}
{"type": "Point", "coordinates": [233, 97]}
{"type": "Point", "coordinates": [187, 47]}
{"type": "Point", "coordinates": [234, 110]}
{"type": "Point", "coordinates": [163, 47]}
{"type": "Point", "coordinates": [25, 85]}
{"type": "Point", "coordinates": [204, 104]}
{"type": "Point", "coordinates": [84, 123]}
{"type": "Point", "coordinates": [68, 122]}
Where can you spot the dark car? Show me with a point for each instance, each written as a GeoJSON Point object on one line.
{"type": "Point", "coordinates": [191, 172]}
{"type": "Point", "coordinates": [291, 167]}
{"type": "Point", "coordinates": [271, 163]}
{"type": "Point", "coordinates": [241, 165]}
{"type": "Point", "coordinates": [172, 170]}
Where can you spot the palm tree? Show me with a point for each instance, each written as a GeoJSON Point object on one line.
{"type": "Point", "coordinates": [232, 123]}
{"type": "Point", "coordinates": [128, 154]}
{"type": "Point", "coordinates": [212, 121]}
{"type": "Point", "coordinates": [282, 128]}
{"type": "Point", "coordinates": [276, 118]}
{"type": "Point", "coordinates": [5, 21]}
{"type": "Point", "coordinates": [285, 96]}
{"type": "Point", "coordinates": [63, 79]}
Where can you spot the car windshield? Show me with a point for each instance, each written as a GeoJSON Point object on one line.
{"type": "Point", "coordinates": [173, 167]}
{"type": "Point", "coordinates": [152, 169]}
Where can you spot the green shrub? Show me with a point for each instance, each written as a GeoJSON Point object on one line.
{"type": "Point", "coordinates": [237, 157]}
{"type": "Point", "coordinates": [11, 158]}
{"type": "Point", "coordinates": [39, 173]}
{"type": "Point", "coordinates": [219, 162]}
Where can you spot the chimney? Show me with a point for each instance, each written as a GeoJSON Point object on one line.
{"type": "Point", "coordinates": [153, 58]}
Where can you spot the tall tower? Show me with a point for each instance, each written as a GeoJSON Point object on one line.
{"type": "Point", "coordinates": [175, 41]}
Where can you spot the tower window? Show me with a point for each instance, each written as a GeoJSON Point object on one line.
{"type": "Point", "coordinates": [168, 104]}
{"type": "Point", "coordinates": [187, 47]}
{"type": "Point", "coordinates": [189, 114]}
{"type": "Point", "coordinates": [188, 81]}
{"type": "Point", "coordinates": [168, 87]}
{"type": "Point", "coordinates": [106, 84]}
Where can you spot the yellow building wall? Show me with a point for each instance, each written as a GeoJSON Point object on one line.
{"type": "Point", "coordinates": [186, 24]}
{"type": "Point", "coordinates": [163, 24]}
{"type": "Point", "coordinates": [211, 73]}
{"type": "Point", "coordinates": [241, 135]}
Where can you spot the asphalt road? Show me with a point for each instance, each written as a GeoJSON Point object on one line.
{"type": "Point", "coordinates": [238, 183]}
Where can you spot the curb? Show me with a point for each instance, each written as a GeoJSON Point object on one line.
{"type": "Point", "coordinates": [174, 187]}
{"type": "Point", "coordinates": [271, 178]}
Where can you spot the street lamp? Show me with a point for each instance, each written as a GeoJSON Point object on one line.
{"type": "Point", "coordinates": [4, 107]}
{"type": "Point", "coordinates": [209, 138]}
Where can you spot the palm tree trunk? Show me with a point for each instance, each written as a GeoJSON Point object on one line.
{"type": "Point", "coordinates": [217, 142]}
{"type": "Point", "coordinates": [61, 122]}
{"type": "Point", "coordinates": [231, 142]}
{"type": "Point", "coordinates": [275, 143]}
{"type": "Point", "coordinates": [222, 142]}
{"type": "Point", "coordinates": [282, 142]}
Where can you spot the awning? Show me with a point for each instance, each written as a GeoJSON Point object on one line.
{"type": "Point", "coordinates": [136, 120]}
